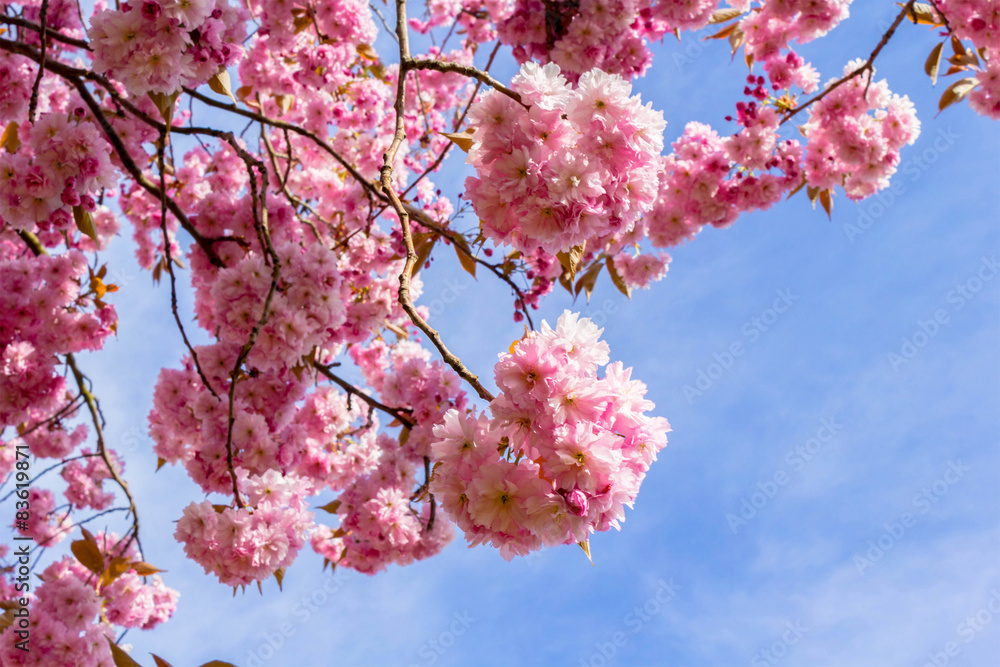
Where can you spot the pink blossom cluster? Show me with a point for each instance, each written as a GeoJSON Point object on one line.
{"type": "Point", "coordinates": [72, 612]}
{"type": "Point", "coordinates": [708, 180]}
{"type": "Point", "coordinates": [66, 628]}
{"type": "Point", "coordinates": [158, 47]}
{"type": "Point", "coordinates": [379, 524]}
{"type": "Point", "coordinates": [63, 162]}
{"type": "Point", "coordinates": [305, 313]}
{"type": "Point", "coordinates": [610, 35]}
{"type": "Point", "coordinates": [248, 544]}
{"type": "Point", "coordinates": [641, 269]}
{"type": "Point", "coordinates": [855, 134]}
{"type": "Point", "coordinates": [976, 20]}
{"type": "Point", "coordinates": [45, 314]}
{"type": "Point", "coordinates": [16, 79]}
{"type": "Point", "coordinates": [84, 481]}
{"type": "Point", "coordinates": [312, 437]}
{"type": "Point", "coordinates": [577, 36]}
{"type": "Point", "coordinates": [344, 24]}
{"type": "Point", "coordinates": [985, 97]}
{"type": "Point", "coordinates": [573, 447]}
{"type": "Point", "coordinates": [578, 164]}
{"type": "Point", "coordinates": [382, 521]}
{"type": "Point", "coordinates": [772, 26]}
{"type": "Point", "coordinates": [979, 21]}
{"type": "Point", "coordinates": [404, 376]}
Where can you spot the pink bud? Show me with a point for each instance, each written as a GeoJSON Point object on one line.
{"type": "Point", "coordinates": [576, 502]}
{"type": "Point", "coordinates": [151, 10]}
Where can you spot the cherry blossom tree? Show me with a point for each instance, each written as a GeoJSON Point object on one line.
{"type": "Point", "coordinates": [304, 236]}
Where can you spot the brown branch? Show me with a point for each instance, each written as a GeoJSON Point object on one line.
{"type": "Point", "coordinates": [52, 34]}
{"type": "Point", "coordinates": [261, 227]}
{"type": "Point", "coordinates": [91, 403]}
{"type": "Point", "coordinates": [466, 70]}
{"type": "Point", "coordinates": [369, 186]}
{"type": "Point", "coordinates": [76, 77]}
{"type": "Point", "coordinates": [43, 38]}
{"type": "Point", "coordinates": [405, 301]}
{"type": "Point", "coordinates": [455, 125]}
{"type": "Point", "coordinates": [869, 65]}
{"type": "Point", "coordinates": [283, 185]}
{"type": "Point", "coordinates": [493, 268]}
{"type": "Point", "coordinates": [169, 261]}
{"type": "Point", "coordinates": [396, 413]}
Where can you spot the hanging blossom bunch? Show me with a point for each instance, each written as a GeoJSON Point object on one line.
{"type": "Point", "coordinates": [63, 162]}
{"type": "Point", "coordinates": [609, 35]}
{"type": "Point", "coordinates": [711, 180]}
{"type": "Point", "coordinates": [85, 481]}
{"type": "Point", "coordinates": [578, 164]}
{"type": "Point", "coordinates": [379, 524]}
{"type": "Point", "coordinates": [855, 134]}
{"type": "Point", "coordinates": [771, 28]}
{"type": "Point", "coordinates": [304, 314]}
{"type": "Point", "coordinates": [73, 612]}
{"type": "Point", "coordinates": [158, 47]}
{"type": "Point", "coordinates": [564, 452]}
{"type": "Point", "coordinates": [979, 21]}
{"type": "Point", "coordinates": [47, 312]}
{"type": "Point", "coordinates": [247, 544]}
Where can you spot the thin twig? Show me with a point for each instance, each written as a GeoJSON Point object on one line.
{"type": "Point", "coordinates": [43, 38]}
{"type": "Point", "coordinates": [351, 390]}
{"type": "Point", "coordinates": [867, 67]}
{"type": "Point", "coordinates": [405, 301]}
{"type": "Point", "coordinates": [169, 261]}
{"type": "Point", "coordinates": [102, 449]}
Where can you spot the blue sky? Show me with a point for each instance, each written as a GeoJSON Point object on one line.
{"type": "Point", "coordinates": [867, 482]}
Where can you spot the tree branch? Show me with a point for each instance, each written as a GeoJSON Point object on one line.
{"type": "Point", "coordinates": [869, 65]}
